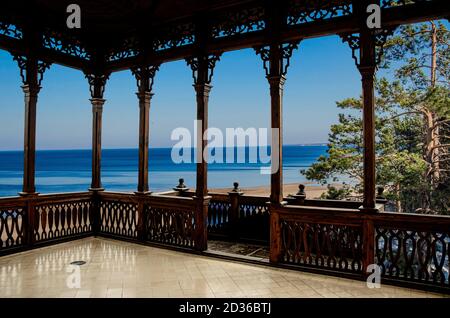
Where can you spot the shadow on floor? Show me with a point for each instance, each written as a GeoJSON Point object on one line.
{"type": "Point", "coordinates": [254, 251]}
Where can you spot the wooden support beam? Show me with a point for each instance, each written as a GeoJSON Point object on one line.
{"type": "Point", "coordinates": [97, 84]}
{"type": "Point", "coordinates": [202, 66]}
{"type": "Point", "coordinates": [145, 76]}
{"type": "Point", "coordinates": [32, 72]}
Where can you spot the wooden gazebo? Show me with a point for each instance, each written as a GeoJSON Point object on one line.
{"type": "Point", "coordinates": [341, 238]}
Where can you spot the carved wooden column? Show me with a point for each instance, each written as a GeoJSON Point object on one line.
{"type": "Point", "coordinates": [145, 77]}
{"type": "Point", "coordinates": [276, 59]}
{"type": "Point", "coordinates": [202, 67]}
{"type": "Point", "coordinates": [369, 43]}
{"type": "Point", "coordinates": [97, 84]}
{"type": "Point", "coordinates": [31, 72]}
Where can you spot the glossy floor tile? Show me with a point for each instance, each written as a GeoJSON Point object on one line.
{"type": "Point", "coordinates": [118, 269]}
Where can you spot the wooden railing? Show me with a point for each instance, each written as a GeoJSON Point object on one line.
{"type": "Point", "coordinates": [413, 248]}
{"type": "Point", "coordinates": [26, 222]}
{"type": "Point", "coordinates": [410, 249]}
{"type": "Point", "coordinates": [238, 216]}
{"type": "Point", "coordinates": [164, 219]}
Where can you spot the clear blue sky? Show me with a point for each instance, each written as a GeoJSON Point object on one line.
{"type": "Point", "coordinates": [321, 72]}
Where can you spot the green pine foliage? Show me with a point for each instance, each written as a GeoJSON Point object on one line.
{"type": "Point", "coordinates": [412, 127]}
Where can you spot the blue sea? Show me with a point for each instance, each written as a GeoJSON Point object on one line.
{"type": "Point", "coordinates": [70, 170]}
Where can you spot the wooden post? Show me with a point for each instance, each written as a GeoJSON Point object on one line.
{"type": "Point", "coordinates": [275, 236]}
{"type": "Point", "coordinates": [202, 67]}
{"type": "Point", "coordinates": [141, 228]}
{"type": "Point", "coordinates": [233, 214]}
{"type": "Point", "coordinates": [144, 77]}
{"type": "Point", "coordinates": [368, 245]}
{"type": "Point", "coordinates": [97, 84]}
{"type": "Point", "coordinates": [30, 222]}
{"type": "Point", "coordinates": [367, 69]}
{"type": "Point", "coordinates": [31, 72]}
{"type": "Point", "coordinates": [97, 112]}
{"type": "Point", "coordinates": [276, 101]}
{"type": "Point", "coordinates": [276, 59]}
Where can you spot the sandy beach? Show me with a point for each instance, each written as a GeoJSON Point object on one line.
{"type": "Point", "coordinates": [312, 191]}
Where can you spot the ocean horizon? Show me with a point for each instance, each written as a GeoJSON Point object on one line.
{"type": "Point", "coordinates": [70, 170]}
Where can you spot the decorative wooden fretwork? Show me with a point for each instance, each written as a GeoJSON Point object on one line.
{"type": "Point", "coordinates": [65, 44]}
{"type": "Point", "coordinates": [413, 255]}
{"type": "Point", "coordinates": [194, 64]}
{"type": "Point", "coordinates": [119, 218]}
{"type": "Point", "coordinates": [327, 246]}
{"type": "Point", "coordinates": [129, 48]}
{"type": "Point", "coordinates": [379, 36]}
{"type": "Point", "coordinates": [12, 227]}
{"type": "Point", "coordinates": [284, 52]}
{"type": "Point", "coordinates": [395, 3]}
{"type": "Point", "coordinates": [145, 76]}
{"type": "Point", "coordinates": [173, 36]}
{"type": "Point", "coordinates": [60, 220]}
{"type": "Point", "coordinates": [11, 30]}
{"type": "Point", "coordinates": [239, 22]}
{"type": "Point", "coordinates": [170, 226]}
{"type": "Point", "coordinates": [218, 216]}
{"type": "Point", "coordinates": [300, 12]}
{"type": "Point", "coordinates": [22, 62]}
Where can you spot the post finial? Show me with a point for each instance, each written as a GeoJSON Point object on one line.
{"type": "Point", "coordinates": [181, 187]}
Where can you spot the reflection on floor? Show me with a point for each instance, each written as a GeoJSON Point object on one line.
{"type": "Point", "coordinates": [120, 269]}
{"type": "Point", "coordinates": [240, 250]}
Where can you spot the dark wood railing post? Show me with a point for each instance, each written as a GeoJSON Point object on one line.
{"type": "Point", "coordinates": [275, 235]}
{"type": "Point", "coordinates": [233, 214]}
{"type": "Point", "coordinates": [141, 228]}
{"type": "Point", "coordinates": [368, 245]}
{"type": "Point", "coordinates": [30, 222]}
{"type": "Point", "coordinates": [145, 77]}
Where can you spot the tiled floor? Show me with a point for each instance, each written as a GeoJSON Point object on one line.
{"type": "Point", "coordinates": [118, 269]}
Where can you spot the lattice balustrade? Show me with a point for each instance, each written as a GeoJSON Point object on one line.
{"type": "Point", "coordinates": [251, 209]}
{"type": "Point", "coordinates": [60, 220]}
{"type": "Point", "coordinates": [326, 246]}
{"type": "Point", "coordinates": [119, 218]}
{"type": "Point", "coordinates": [12, 227]}
{"type": "Point", "coordinates": [414, 255]}
{"type": "Point", "coordinates": [170, 226]}
{"type": "Point", "coordinates": [218, 216]}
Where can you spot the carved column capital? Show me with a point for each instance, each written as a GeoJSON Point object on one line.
{"type": "Point", "coordinates": [373, 40]}
{"type": "Point", "coordinates": [276, 58]}
{"type": "Point", "coordinates": [97, 84]}
{"type": "Point", "coordinates": [145, 76]}
{"type": "Point", "coordinates": [202, 67]}
{"type": "Point", "coordinates": [31, 71]}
